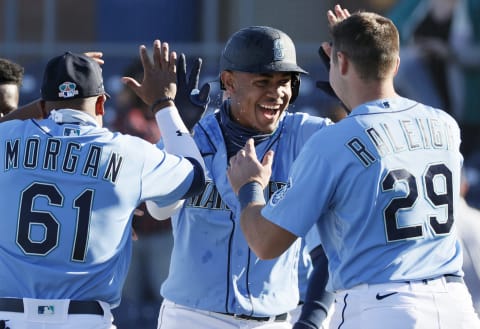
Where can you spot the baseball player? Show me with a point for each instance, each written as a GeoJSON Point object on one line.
{"type": "Point", "coordinates": [215, 280]}
{"type": "Point", "coordinates": [383, 187]}
{"type": "Point", "coordinates": [70, 187]}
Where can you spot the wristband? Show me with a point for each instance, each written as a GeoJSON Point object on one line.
{"type": "Point", "coordinates": [158, 101]}
{"type": "Point", "coordinates": [250, 192]}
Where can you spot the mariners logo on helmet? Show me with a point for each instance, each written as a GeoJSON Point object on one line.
{"type": "Point", "coordinates": [278, 53]}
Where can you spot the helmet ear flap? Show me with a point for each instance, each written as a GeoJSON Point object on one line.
{"type": "Point", "coordinates": [295, 84]}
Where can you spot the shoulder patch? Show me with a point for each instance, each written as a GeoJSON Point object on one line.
{"type": "Point", "coordinates": [280, 194]}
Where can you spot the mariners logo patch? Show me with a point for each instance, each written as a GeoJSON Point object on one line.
{"type": "Point", "coordinates": [278, 53]}
{"type": "Point", "coordinates": [280, 194]}
{"type": "Point", "coordinates": [67, 90]}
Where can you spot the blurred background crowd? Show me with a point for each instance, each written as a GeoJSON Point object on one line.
{"type": "Point", "coordinates": [440, 66]}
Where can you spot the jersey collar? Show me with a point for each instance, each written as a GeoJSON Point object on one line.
{"type": "Point", "coordinates": [73, 116]}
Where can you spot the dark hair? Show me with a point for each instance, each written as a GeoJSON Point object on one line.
{"type": "Point", "coordinates": [370, 41]}
{"type": "Point", "coordinates": [10, 72]}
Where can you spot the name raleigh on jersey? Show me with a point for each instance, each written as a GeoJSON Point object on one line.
{"type": "Point", "coordinates": [54, 156]}
{"type": "Point", "coordinates": [407, 135]}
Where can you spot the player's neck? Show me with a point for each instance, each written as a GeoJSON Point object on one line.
{"type": "Point", "coordinates": [371, 91]}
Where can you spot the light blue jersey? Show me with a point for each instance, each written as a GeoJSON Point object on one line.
{"type": "Point", "coordinates": [407, 156]}
{"type": "Point", "coordinates": [212, 267]}
{"type": "Point", "coordinates": [68, 192]}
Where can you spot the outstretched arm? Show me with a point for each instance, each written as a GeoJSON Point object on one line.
{"type": "Point", "coordinates": [248, 178]}
{"type": "Point", "coordinates": [158, 90]}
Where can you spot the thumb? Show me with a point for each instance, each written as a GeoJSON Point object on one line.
{"type": "Point", "coordinates": [203, 96]}
{"type": "Point", "coordinates": [130, 82]}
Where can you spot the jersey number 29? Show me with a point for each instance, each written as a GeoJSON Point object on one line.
{"type": "Point", "coordinates": [395, 233]}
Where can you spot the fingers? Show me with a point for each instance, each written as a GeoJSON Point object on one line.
{"type": "Point", "coordinates": [96, 56]}
{"type": "Point", "coordinates": [268, 159]}
{"type": "Point", "coordinates": [145, 59]}
{"type": "Point", "coordinates": [162, 57]}
{"type": "Point", "coordinates": [341, 13]}
{"type": "Point", "coordinates": [250, 148]}
{"type": "Point", "coordinates": [130, 82]}
{"type": "Point", "coordinates": [158, 55]}
{"type": "Point", "coordinates": [338, 14]}
{"type": "Point", "coordinates": [247, 150]}
{"type": "Point", "coordinates": [172, 64]}
{"type": "Point", "coordinates": [181, 71]}
{"type": "Point", "coordinates": [204, 94]}
{"type": "Point", "coordinates": [194, 76]}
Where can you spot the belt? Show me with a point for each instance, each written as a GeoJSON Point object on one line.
{"type": "Point", "coordinates": [448, 278]}
{"type": "Point", "coordinates": [75, 306]}
{"type": "Point", "coordinates": [279, 317]}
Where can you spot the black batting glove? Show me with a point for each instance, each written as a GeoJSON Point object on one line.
{"type": "Point", "coordinates": [191, 102]}
{"type": "Point", "coordinates": [324, 85]}
{"type": "Point", "coordinates": [321, 84]}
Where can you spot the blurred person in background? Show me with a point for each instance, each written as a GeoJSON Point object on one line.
{"type": "Point", "coordinates": [11, 79]}
{"type": "Point", "coordinates": [440, 51]}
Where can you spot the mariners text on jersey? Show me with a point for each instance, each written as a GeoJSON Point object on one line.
{"type": "Point", "coordinates": [404, 135]}
{"type": "Point", "coordinates": [53, 156]}
{"type": "Point", "coordinates": [210, 197]}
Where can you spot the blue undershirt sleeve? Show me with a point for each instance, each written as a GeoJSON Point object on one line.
{"type": "Point", "coordinates": [317, 300]}
{"type": "Point", "coordinates": [198, 181]}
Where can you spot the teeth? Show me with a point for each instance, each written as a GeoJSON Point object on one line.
{"type": "Point", "coordinates": [271, 107]}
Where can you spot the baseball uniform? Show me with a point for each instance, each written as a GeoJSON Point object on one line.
{"type": "Point", "coordinates": [69, 190]}
{"type": "Point", "coordinates": [212, 269]}
{"type": "Point", "coordinates": [395, 245]}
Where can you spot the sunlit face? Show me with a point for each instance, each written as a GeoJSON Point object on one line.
{"type": "Point", "coordinates": [258, 100]}
{"type": "Point", "coordinates": [9, 96]}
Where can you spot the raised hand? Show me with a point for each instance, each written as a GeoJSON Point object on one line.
{"type": "Point", "coordinates": [159, 74]}
{"type": "Point", "coordinates": [190, 101]}
{"type": "Point", "coordinates": [337, 14]}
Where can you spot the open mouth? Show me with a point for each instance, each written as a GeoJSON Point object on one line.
{"type": "Point", "coordinates": [269, 111]}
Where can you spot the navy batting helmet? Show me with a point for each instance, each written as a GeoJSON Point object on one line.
{"type": "Point", "coordinates": [261, 49]}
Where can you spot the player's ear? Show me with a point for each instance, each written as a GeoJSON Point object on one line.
{"type": "Point", "coordinates": [397, 65]}
{"type": "Point", "coordinates": [227, 80]}
{"type": "Point", "coordinates": [42, 105]}
{"type": "Point", "coordinates": [343, 62]}
{"type": "Point", "coordinates": [100, 105]}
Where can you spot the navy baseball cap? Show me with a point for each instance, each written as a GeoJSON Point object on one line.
{"type": "Point", "coordinates": [71, 76]}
